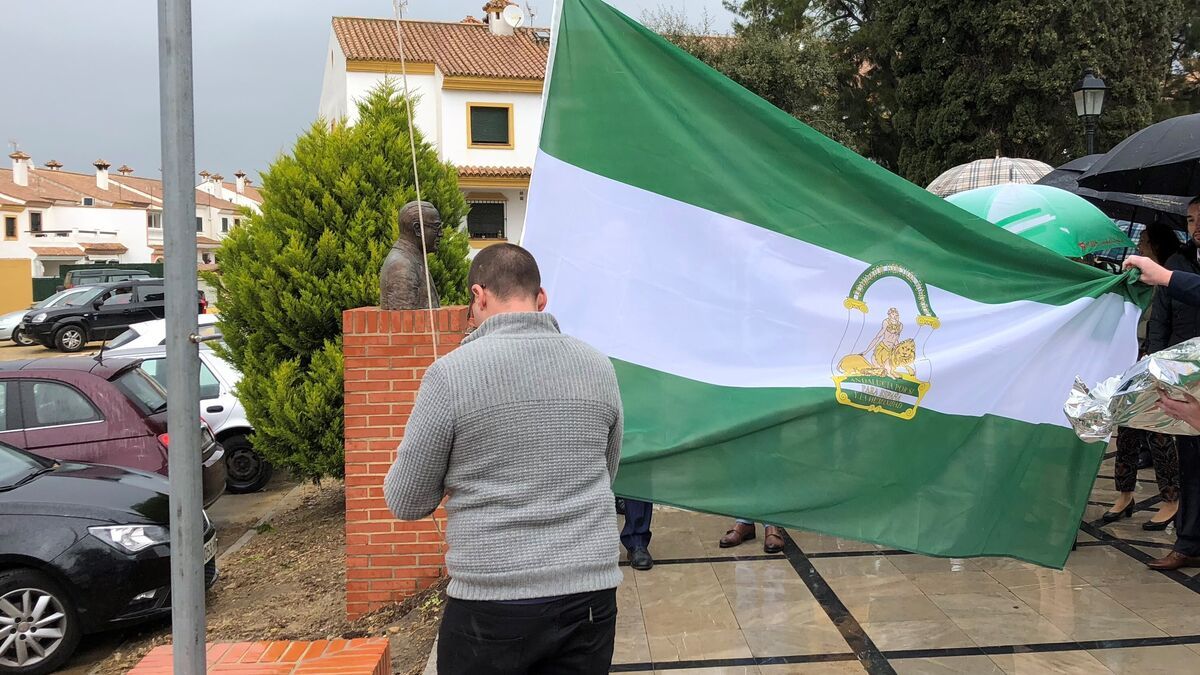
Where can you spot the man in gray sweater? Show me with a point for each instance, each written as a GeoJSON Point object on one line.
{"type": "Point", "coordinates": [520, 429]}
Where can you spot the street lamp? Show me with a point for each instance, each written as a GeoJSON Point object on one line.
{"type": "Point", "coordinates": [1089, 103]}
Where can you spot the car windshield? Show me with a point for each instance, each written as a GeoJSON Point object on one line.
{"type": "Point", "coordinates": [70, 296]}
{"type": "Point", "coordinates": [16, 467]}
{"type": "Point", "coordinates": [123, 339]}
{"type": "Point", "coordinates": [142, 390]}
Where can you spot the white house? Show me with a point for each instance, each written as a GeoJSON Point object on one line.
{"type": "Point", "coordinates": [54, 217]}
{"type": "Point", "coordinates": [480, 89]}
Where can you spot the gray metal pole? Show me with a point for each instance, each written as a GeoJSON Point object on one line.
{"type": "Point", "coordinates": [183, 373]}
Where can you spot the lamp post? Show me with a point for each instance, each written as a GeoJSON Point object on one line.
{"type": "Point", "coordinates": [1089, 103]}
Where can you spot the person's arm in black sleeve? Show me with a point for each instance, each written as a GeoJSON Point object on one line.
{"type": "Point", "coordinates": [1184, 287]}
{"type": "Point", "coordinates": [1158, 328]}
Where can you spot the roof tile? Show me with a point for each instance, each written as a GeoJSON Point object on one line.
{"type": "Point", "coordinates": [458, 49]}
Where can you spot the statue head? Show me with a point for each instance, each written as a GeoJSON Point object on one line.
{"type": "Point", "coordinates": [410, 224]}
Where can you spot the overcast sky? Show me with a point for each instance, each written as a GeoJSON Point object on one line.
{"type": "Point", "coordinates": [81, 78]}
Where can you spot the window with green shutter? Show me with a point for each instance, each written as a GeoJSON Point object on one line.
{"type": "Point", "coordinates": [485, 220]}
{"type": "Point", "coordinates": [490, 125]}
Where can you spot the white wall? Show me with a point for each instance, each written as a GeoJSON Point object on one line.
{"type": "Point", "coordinates": [20, 247]}
{"type": "Point", "coordinates": [333, 85]}
{"type": "Point", "coordinates": [527, 122]}
{"type": "Point", "coordinates": [130, 225]}
{"type": "Point", "coordinates": [424, 87]}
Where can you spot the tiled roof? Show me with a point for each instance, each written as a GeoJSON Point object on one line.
{"type": "Point", "coordinates": [58, 251]}
{"type": "Point", "coordinates": [85, 185]}
{"type": "Point", "coordinates": [458, 49]}
{"type": "Point", "coordinates": [250, 191]}
{"type": "Point", "coordinates": [205, 199]}
{"type": "Point", "coordinates": [202, 240]}
{"type": "Point", "coordinates": [494, 172]}
{"type": "Point", "coordinates": [105, 247]}
{"type": "Point", "coordinates": [37, 190]}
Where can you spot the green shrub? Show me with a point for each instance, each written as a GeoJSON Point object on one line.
{"type": "Point", "coordinates": [328, 218]}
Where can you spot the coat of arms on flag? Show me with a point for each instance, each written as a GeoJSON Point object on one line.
{"type": "Point", "coordinates": [891, 373]}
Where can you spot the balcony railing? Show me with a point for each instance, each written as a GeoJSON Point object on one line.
{"type": "Point", "coordinates": [88, 233]}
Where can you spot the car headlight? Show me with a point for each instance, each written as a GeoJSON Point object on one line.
{"type": "Point", "coordinates": [38, 318]}
{"type": "Point", "coordinates": [131, 538]}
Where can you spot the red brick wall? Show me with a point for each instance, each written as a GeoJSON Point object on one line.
{"type": "Point", "coordinates": [386, 354]}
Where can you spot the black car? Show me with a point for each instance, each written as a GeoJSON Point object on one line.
{"type": "Point", "coordinates": [104, 315]}
{"type": "Point", "coordinates": [83, 548]}
{"type": "Point", "coordinates": [100, 275]}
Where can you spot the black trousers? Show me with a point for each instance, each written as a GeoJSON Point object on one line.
{"type": "Point", "coordinates": [636, 532]}
{"type": "Point", "coordinates": [1131, 443]}
{"type": "Point", "coordinates": [1187, 521]}
{"type": "Point", "coordinates": [574, 635]}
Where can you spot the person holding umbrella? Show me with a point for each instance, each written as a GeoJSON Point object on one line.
{"type": "Point", "coordinates": [1184, 287]}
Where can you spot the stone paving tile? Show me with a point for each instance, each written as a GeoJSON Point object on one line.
{"type": "Point", "coordinates": [947, 665]}
{"type": "Point", "coordinates": [1057, 663]}
{"type": "Point", "coordinates": [1166, 659]}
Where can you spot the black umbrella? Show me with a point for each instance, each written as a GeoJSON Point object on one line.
{"type": "Point", "coordinates": [1119, 205]}
{"type": "Point", "coordinates": [1163, 159]}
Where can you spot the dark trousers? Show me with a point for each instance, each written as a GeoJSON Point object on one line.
{"type": "Point", "coordinates": [1187, 521]}
{"type": "Point", "coordinates": [574, 634]}
{"type": "Point", "coordinates": [1131, 443]}
{"type": "Point", "coordinates": [636, 533]}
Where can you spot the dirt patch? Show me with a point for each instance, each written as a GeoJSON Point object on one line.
{"type": "Point", "coordinates": [289, 583]}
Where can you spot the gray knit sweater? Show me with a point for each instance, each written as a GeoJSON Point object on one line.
{"type": "Point", "coordinates": [521, 428]}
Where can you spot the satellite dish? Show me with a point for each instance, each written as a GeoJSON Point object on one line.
{"type": "Point", "coordinates": [513, 16]}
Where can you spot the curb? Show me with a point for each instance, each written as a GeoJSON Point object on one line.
{"type": "Point", "coordinates": [252, 532]}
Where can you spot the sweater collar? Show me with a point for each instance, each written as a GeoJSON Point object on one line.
{"type": "Point", "coordinates": [516, 324]}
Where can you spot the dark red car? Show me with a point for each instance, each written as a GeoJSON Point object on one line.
{"type": "Point", "coordinates": [98, 410]}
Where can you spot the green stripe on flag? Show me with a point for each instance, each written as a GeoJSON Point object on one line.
{"type": "Point", "coordinates": [945, 485]}
{"type": "Point", "coordinates": [626, 104]}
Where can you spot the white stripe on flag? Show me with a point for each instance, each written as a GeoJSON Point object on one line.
{"type": "Point", "coordinates": [673, 287]}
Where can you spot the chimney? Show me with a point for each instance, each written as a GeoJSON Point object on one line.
{"type": "Point", "coordinates": [20, 168]}
{"type": "Point", "coordinates": [204, 174]}
{"type": "Point", "coordinates": [101, 173]}
{"type": "Point", "coordinates": [217, 178]}
{"type": "Point", "coordinates": [125, 170]}
{"type": "Point", "coordinates": [241, 181]}
{"type": "Point", "coordinates": [495, 21]}
{"type": "Point", "coordinates": [54, 165]}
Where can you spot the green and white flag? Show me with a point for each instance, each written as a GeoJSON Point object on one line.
{"type": "Point", "coordinates": [802, 337]}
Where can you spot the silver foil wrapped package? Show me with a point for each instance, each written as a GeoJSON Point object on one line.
{"type": "Point", "coordinates": [1131, 398]}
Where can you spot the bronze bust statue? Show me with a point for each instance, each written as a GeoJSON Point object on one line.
{"type": "Point", "coordinates": [402, 280]}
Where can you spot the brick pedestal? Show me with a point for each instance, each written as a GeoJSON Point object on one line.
{"type": "Point", "coordinates": [386, 354]}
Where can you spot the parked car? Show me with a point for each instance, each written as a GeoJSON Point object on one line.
{"type": "Point", "coordinates": [154, 333]}
{"type": "Point", "coordinates": [107, 411]}
{"type": "Point", "coordinates": [105, 314]}
{"type": "Point", "coordinates": [100, 275]}
{"type": "Point", "coordinates": [83, 548]}
{"type": "Point", "coordinates": [245, 469]}
{"type": "Point", "coordinates": [11, 321]}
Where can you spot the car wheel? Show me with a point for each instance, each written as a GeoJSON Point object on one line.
{"type": "Point", "coordinates": [39, 628]}
{"type": "Point", "coordinates": [70, 338]}
{"type": "Point", "coordinates": [245, 469]}
{"type": "Point", "coordinates": [22, 338]}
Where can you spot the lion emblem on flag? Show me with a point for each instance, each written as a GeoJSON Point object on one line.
{"type": "Point", "coordinates": [889, 373]}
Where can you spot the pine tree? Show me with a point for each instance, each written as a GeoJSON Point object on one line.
{"type": "Point", "coordinates": [329, 217]}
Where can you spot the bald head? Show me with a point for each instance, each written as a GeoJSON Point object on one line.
{"type": "Point", "coordinates": [507, 270]}
{"type": "Point", "coordinates": [504, 278]}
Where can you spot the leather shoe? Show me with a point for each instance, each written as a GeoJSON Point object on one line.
{"type": "Point", "coordinates": [773, 539]}
{"type": "Point", "coordinates": [640, 559]}
{"type": "Point", "coordinates": [740, 534]}
{"type": "Point", "coordinates": [1173, 561]}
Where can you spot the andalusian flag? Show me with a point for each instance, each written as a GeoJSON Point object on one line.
{"type": "Point", "coordinates": [802, 337]}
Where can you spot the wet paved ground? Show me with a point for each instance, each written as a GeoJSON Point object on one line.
{"type": "Point", "coordinates": [832, 606]}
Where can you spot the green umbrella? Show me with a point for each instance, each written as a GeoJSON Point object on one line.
{"type": "Point", "coordinates": [1063, 222]}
